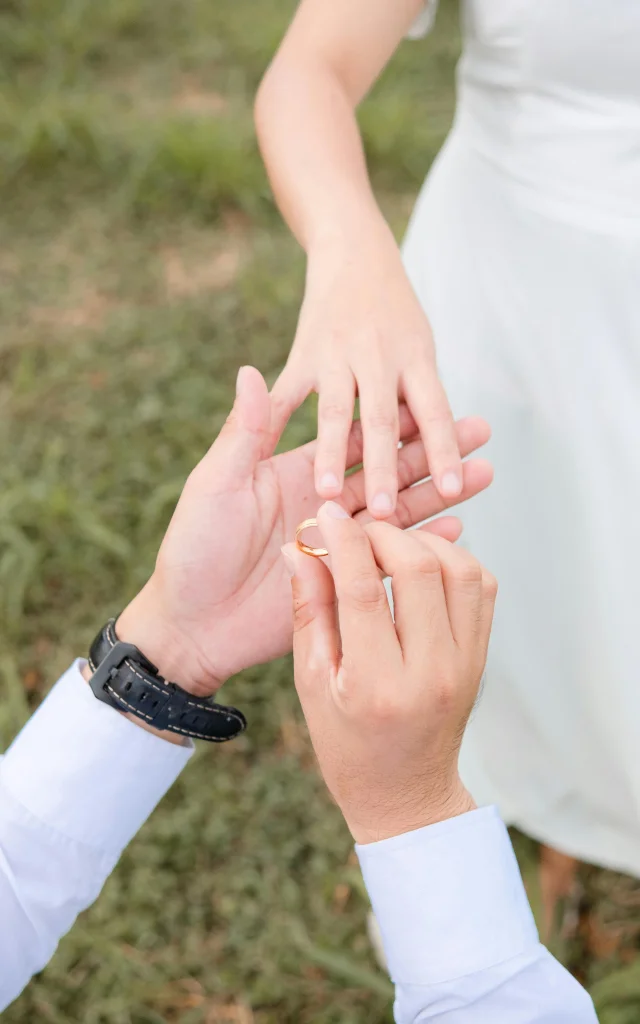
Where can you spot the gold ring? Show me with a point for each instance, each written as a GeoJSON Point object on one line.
{"type": "Point", "coordinates": [308, 550]}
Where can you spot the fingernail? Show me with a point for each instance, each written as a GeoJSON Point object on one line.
{"type": "Point", "coordinates": [335, 511]}
{"type": "Point", "coordinates": [240, 379]}
{"type": "Point", "coordinates": [329, 482]}
{"type": "Point", "coordinates": [382, 502]}
{"type": "Point", "coordinates": [290, 565]}
{"type": "Point", "coordinates": [450, 485]}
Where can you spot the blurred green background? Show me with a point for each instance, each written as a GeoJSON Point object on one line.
{"type": "Point", "coordinates": [141, 263]}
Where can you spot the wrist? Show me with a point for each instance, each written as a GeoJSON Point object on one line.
{"type": "Point", "coordinates": [170, 737]}
{"type": "Point", "coordinates": [146, 623]}
{"type": "Point", "coordinates": [449, 804]}
{"type": "Point", "coordinates": [358, 228]}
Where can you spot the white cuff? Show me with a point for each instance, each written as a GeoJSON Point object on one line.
{"type": "Point", "coordinates": [85, 770]}
{"type": "Point", "coordinates": [448, 898]}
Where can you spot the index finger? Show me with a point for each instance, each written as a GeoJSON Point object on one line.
{"type": "Point", "coordinates": [421, 617]}
{"type": "Point", "coordinates": [366, 624]}
{"type": "Point", "coordinates": [287, 394]}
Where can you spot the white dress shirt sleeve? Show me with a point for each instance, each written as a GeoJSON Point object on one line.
{"type": "Point", "coordinates": [75, 786]}
{"type": "Point", "coordinates": [458, 932]}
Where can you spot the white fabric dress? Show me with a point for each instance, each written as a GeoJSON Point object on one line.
{"type": "Point", "coordinates": [524, 249]}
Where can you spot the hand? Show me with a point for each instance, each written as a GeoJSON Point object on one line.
{"type": "Point", "coordinates": [363, 330]}
{"type": "Point", "coordinates": [387, 705]}
{"type": "Point", "coordinates": [219, 598]}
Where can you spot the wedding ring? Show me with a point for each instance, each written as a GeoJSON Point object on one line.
{"type": "Point", "coordinates": [306, 524]}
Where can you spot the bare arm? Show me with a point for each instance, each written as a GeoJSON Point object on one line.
{"type": "Point", "coordinates": [305, 112]}
{"type": "Point", "coordinates": [361, 327]}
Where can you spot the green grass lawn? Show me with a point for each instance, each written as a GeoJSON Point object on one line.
{"type": "Point", "coordinates": [141, 263]}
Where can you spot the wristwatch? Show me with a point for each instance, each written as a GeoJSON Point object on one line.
{"type": "Point", "coordinates": [127, 681]}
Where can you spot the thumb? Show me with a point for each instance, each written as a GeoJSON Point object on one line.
{"type": "Point", "coordinates": [316, 638]}
{"type": "Point", "coordinates": [242, 441]}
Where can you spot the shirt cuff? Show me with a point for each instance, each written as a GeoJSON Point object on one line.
{"type": "Point", "coordinates": [85, 770]}
{"type": "Point", "coordinates": [448, 898]}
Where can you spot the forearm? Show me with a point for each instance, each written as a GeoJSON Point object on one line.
{"type": "Point", "coordinates": [305, 113]}
{"type": "Point", "coordinates": [312, 149]}
{"type": "Point", "coordinates": [75, 786]}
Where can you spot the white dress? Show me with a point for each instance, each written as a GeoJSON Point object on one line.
{"type": "Point", "coordinates": [524, 249]}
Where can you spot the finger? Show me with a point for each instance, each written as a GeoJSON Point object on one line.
{"type": "Point", "coordinates": [287, 394]}
{"type": "Point", "coordinates": [355, 449]}
{"type": "Point", "coordinates": [462, 577]}
{"type": "Point", "coordinates": [366, 626]}
{"type": "Point", "coordinates": [489, 595]}
{"type": "Point", "coordinates": [381, 431]}
{"type": "Point", "coordinates": [234, 455]}
{"type": "Point", "coordinates": [316, 639]}
{"type": "Point", "coordinates": [472, 433]}
{"type": "Point", "coordinates": [449, 527]}
{"type": "Point", "coordinates": [428, 402]}
{"type": "Point", "coordinates": [335, 416]}
{"type": "Point", "coordinates": [421, 617]}
{"type": "Point", "coordinates": [422, 501]}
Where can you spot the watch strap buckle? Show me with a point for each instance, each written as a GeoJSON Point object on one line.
{"type": "Point", "coordinates": [127, 681]}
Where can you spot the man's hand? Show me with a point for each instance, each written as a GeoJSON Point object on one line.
{"type": "Point", "coordinates": [219, 598]}
{"type": "Point", "coordinates": [387, 704]}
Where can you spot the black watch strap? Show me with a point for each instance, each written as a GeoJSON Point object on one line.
{"type": "Point", "coordinates": [126, 680]}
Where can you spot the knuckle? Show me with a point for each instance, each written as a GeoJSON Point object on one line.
{"type": "Point", "coordinates": [440, 418]}
{"type": "Point", "coordinates": [384, 708]}
{"type": "Point", "coordinates": [330, 460]}
{"type": "Point", "coordinates": [468, 575]}
{"type": "Point", "coordinates": [467, 570]}
{"type": "Point", "coordinates": [438, 412]}
{"type": "Point", "coordinates": [365, 593]}
{"type": "Point", "coordinates": [333, 411]}
{"type": "Point", "coordinates": [489, 585]}
{"type": "Point", "coordinates": [302, 612]}
{"type": "Point", "coordinates": [426, 563]}
{"type": "Point", "coordinates": [416, 567]}
{"type": "Point", "coordinates": [382, 419]}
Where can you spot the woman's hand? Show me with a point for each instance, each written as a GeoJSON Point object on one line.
{"type": "Point", "coordinates": [387, 704]}
{"type": "Point", "coordinates": [219, 598]}
{"type": "Point", "coordinates": [362, 331]}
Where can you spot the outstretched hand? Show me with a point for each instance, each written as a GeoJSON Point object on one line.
{"type": "Point", "coordinates": [362, 331]}
{"type": "Point", "coordinates": [219, 597]}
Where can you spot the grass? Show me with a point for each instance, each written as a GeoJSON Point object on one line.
{"type": "Point", "coordinates": [141, 263]}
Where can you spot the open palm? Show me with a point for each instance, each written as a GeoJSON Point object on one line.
{"type": "Point", "coordinates": [220, 581]}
